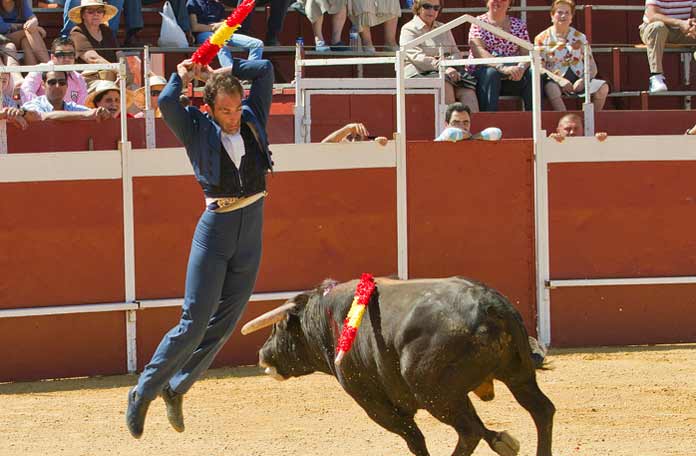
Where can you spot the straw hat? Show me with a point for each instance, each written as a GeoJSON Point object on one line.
{"type": "Point", "coordinates": [157, 82]}
{"type": "Point", "coordinates": [110, 10]}
{"type": "Point", "coordinates": [100, 86]}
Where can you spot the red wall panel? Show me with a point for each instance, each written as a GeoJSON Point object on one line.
{"type": "Point", "coordinates": [471, 213]}
{"type": "Point", "coordinates": [63, 346]}
{"type": "Point", "coordinates": [61, 243]}
{"type": "Point", "coordinates": [317, 224]}
{"type": "Point", "coordinates": [620, 315]}
{"type": "Point", "coordinates": [622, 219]}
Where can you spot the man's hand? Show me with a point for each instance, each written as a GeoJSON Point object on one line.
{"type": "Point", "coordinates": [453, 74]}
{"type": "Point", "coordinates": [579, 85]}
{"type": "Point", "coordinates": [381, 140]}
{"type": "Point", "coordinates": [558, 137]}
{"type": "Point", "coordinates": [100, 114]}
{"type": "Point", "coordinates": [515, 73]}
{"type": "Point", "coordinates": [601, 136]}
{"type": "Point", "coordinates": [358, 129]}
{"type": "Point", "coordinates": [31, 25]}
{"type": "Point", "coordinates": [202, 73]}
{"type": "Point", "coordinates": [185, 71]}
{"type": "Point", "coordinates": [566, 86]}
{"type": "Point", "coordinates": [215, 26]}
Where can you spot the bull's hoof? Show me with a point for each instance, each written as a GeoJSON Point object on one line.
{"type": "Point", "coordinates": [505, 444]}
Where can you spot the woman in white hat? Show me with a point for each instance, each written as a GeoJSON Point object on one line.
{"type": "Point", "coordinates": [94, 40]}
{"type": "Point", "coordinates": [157, 83]}
{"type": "Point", "coordinates": [105, 94]}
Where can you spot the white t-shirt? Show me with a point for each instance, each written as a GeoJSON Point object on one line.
{"type": "Point", "coordinates": [234, 145]}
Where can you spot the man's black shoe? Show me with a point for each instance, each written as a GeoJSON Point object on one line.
{"type": "Point", "coordinates": [135, 415]}
{"type": "Point", "coordinates": [175, 412]}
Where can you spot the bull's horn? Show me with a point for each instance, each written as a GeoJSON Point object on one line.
{"type": "Point", "coordinates": [267, 319]}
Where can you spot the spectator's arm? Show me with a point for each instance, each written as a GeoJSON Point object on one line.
{"type": "Point", "coordinates": [260, 73]}
{"type": "Point", "coordinates": [175, 115]}
{"type": "Point", "coordinates": [341, 134]}
{"type": "Point", "coordinates": [92, 56]}
{"type": "Point", "coordinates": [30, 87]}
{"type": "Point", "coordinates": [196, 27]}
{"type": "Point", "coordinates": [97, 114]}
{"type": "Point", "coordinates": [416, 55]}
{"type": "Point", "coordinates": [654, 14]}
{"type": "Point", "coordinates": [691, 131]}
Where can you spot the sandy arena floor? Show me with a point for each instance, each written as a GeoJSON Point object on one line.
{"type": "Point", "coordinates": [633, 401]}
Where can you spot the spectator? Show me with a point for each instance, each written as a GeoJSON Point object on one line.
{"type": "Point", "coordinates": [131, 8]}
{"type": "Point", "coordinates": [562, 58]}
{"type": "Point", "coordinates": [279, 9]}
{"type": "Point", "coordinates": [424, 59]}
{"type": "Point", "coordinates": [20, 25]}
{"type": "Point", "coordinates": [353, 132]}
{"type": "Point", "coordinates": [62, 53]}
{"type": "Point", "coordinates": [9, 110]}
{"type": "Point", "coordinates": [458, 126]}
{"type": "Point", "coordinates": [107, 95]}
{"type": "Point", "coordinates": [53, 106]}
{"type": "Point", "coordinates": [206, 16]}
{"type": "Point", "coordinates": [499, 79]}
{"type": "Point", "coordinates": [571, 125]}
{"type": "Point", "coordinates": [157, 83]}
{"type": "Point", "coordinates": [665, 21]}
{"type": "Point", "coordinates": [315, 10]}
{"type": "Point", "coordinates": [8, 57]}
{"type": "Point", "coordinates": [369, 13]}
{"type": "Point", "coordinates": [94, 40]}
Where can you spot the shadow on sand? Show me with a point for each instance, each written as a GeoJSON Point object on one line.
{"type": "Point", "coordinates": [112, 381]}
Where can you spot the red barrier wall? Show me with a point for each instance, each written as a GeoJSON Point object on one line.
{"type": "Point", "coordinates": [61, 243]}
{"type": "Point", "coordinates": [622, 220]}
{"type": "Point", "coordinates": [471, 213]}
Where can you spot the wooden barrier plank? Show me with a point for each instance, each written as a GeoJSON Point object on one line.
{"type": "Point", "coordinates": [61, 243]}
{"type": "Point", "coordinates": [63, 346]}
{"type": "Point", "coordinates": [646, 314]}
{"type": "Point", "coordinates": [471, 213]}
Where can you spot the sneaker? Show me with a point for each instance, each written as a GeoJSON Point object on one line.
{"type": "Point", "coordinates": [657, 84]}
{"type": "Point", "coordinates": [321, 46]}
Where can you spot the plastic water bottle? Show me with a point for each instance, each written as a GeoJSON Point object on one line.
{"type": "Point", "coordinates": [491, 134]}
{"type": "Point", "coordinates": [354, 39]}
{"type": "Point", "coordinates": [300, 42]}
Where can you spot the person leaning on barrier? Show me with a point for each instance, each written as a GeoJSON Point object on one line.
{"type": "Point", "coordinates": [10, 111]}
{"type": "Point", "coordinates": [666, 21]}
{"type": "Point", "coordinates": [562, 59]}
{"type": "Point", "coordinates": [62, 53]}
{"type": "Point", "coordinates": [498, 79]}
{"type": "Point", "coordinates": [423, 60]}
{"type": "Point", "coordinates": [53, 106]}
{"type": "Point", "coordinates": [458, 126]}
{"type": "Point", "coordinates": [353, 132]}
{"type": "Point", "coordinates": [106, 94]}
{"type": "Point", "coordinates": [571, 125]}
{"type": "Point", "coordinates": [691, 131]}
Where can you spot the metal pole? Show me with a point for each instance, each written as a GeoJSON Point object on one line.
{"type": "Point", "coordinates": [150, 127]}
{"type": "Point", "coordinates": [299, 105]}
{"type": "Point", "coordinates": [401, 182]}
{"type": "Point", "coordinates": [588, 107]}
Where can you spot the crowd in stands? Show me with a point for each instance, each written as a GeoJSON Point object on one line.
{"type": "Point", "coordinates": [90, 26]}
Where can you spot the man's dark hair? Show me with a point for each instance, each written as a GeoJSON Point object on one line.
{"type": "Point", "coordinates": [98, 98]}
{"type": "Point", "coordinates": [61, 41]}
{"type": "Point", "coordinates": [221, 82]}
{"type": "Point", "coordinates": [44, 74]}
{"type": "Point", "coordinates": [458, 107]}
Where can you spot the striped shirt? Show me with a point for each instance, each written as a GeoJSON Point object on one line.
{"type": "Point", "coordinates": [677, 9]}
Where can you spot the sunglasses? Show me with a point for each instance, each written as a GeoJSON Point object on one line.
{"type": "Point", "coordinates": [428, 6]}
{"type": "Point", "coordinates": [155, 93]}
{"type": "Point", "coordinates": [60, 82]}
{"type": "Point", "coordinates": [95, 11]}
{"type": "Point", "coordinates": [64, 54]}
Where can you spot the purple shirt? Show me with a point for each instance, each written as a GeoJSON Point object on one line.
{"type": "Point", "coordinates": [77, 88]}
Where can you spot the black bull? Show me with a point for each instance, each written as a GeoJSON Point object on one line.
{"type": "Point", "coordinates": [423, 344]}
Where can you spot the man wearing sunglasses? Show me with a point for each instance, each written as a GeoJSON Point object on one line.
{"type": "Point", "coordinates": [62, 53]}
{"type": "Point", "coordinates": [53, 106]}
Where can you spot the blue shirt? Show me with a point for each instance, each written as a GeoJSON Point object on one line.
{"type": "Point", "coordinates": [206, 11]}
{"type": "Point", "coordinates": [41, 104]}
{"type": "Point", "coordinates": [12, 17]}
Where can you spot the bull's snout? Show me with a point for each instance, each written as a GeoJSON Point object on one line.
{"type": "Point", "coordinates": [270, 370]}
